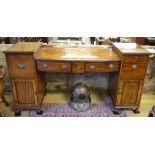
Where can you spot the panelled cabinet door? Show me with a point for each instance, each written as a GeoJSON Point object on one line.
{"type": "Point", "coordinates": [24, 91]}
{"type": "Point", "coordinates": [129, 93]}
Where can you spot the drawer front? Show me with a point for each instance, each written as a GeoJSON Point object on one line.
{"type": "Point", "coordinates": [135, 58]}
{"type": "Point", "coordinates": [93, 67]}
{"type": "Point", "coordinates": [103, 67]}
{"type": "Point", "coordinates": [111, 66]}
{"type": "Point", "coordinates": [78, 67]}
{"type": "Point", "coordinates": [134, 69]}
{"type": "Point", "coordinates": [21, 65]}
{"type": "Point", "coordinates": [54, 67]}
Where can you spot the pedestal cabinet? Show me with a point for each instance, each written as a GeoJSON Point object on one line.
{"type": "Point", "coordinates": [129, 81]}
{"type": "Point", "coordinates": [27, 83]}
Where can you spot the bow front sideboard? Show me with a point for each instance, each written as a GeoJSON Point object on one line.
{"type": "Point", "coordinates": [29, 61]}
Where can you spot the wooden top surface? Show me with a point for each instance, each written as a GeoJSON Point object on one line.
{"type": "Point", "coordinates": [130, 48]}
{"type": "Point", "coordinates": [76, 54]}
{"type": "Point", "coordinates": [24, 47]}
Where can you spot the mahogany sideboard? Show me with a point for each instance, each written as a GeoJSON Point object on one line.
{"type": "Point", "coordinates": [28, 61]}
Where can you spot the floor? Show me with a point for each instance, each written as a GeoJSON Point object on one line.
{"type": "Point", "coordinates": [147, 102]}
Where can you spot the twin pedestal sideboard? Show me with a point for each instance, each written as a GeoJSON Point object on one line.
{"type": "Point", "coordinates": [29, 61]}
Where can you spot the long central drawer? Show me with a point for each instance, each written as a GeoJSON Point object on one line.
{"type": "Point", "coordinates": [77, 67]}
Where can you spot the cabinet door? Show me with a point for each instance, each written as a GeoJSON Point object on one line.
{"type": "Point", "coordinates": [129, 93]}
{"type": "Point", "coordinates": [24, 91]}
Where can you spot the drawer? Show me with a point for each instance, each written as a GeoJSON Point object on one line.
{"type": "Point", "coordinates": [103, 67]}
{"type": "Point", "coordinates": [54, 66]}
{"type": "Point", "coordinates": [21, 65]}
{"type": "Point", "coordinates": [111, 66]}
{"type": "Point", "coordinates": [93, 67]}
{"type": "Point", "coordinates": [133, 69]}
{"type": "Point", "coordinates": [135, 58]}
{"type": "Point", "coordinates": [78, 67]}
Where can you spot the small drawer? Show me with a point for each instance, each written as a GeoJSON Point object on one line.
{"type": "Point", "coordinates": [53, 66]}
{"type": "Point", "coordinates": [21, 65]}
{"type": "Point", "coordinates": [92, 67]}
{"type": "Point", "coordinates": [134, 66]}
{"type": "Point", "coordinates": [134, 69]}
{"type": "Point", "coordinates": [111, 66]}
{"type": "Point", "coordinates": [135, 58]}
{"type": "Point", "coordinates": [78, 67]}
{"type": "Point", "coordinates": [103, 67]}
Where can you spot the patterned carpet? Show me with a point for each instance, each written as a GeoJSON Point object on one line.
{"type": "Point", "coordinates": [63, 110]}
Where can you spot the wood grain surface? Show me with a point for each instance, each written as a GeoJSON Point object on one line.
{"type": "Point", "coordinates": [76, 54]}
{"type": "Point", "coordinates": [24, 47]}
{"type": "Point", "coordinates": [20, 65]}
{"type": "Point", "coordinates": [130, 49]}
